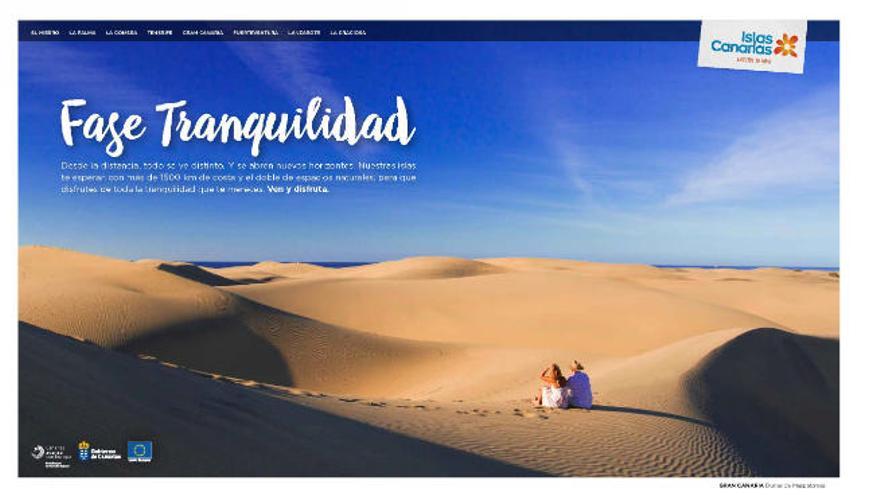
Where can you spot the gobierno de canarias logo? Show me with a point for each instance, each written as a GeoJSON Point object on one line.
{"type": "Point", "coordinates": [752, 43]}
{"type": "Point", "coordinates": [84, 453]}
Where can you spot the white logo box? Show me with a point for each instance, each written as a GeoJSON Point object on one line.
{"type": "Point", "coordinates": [754, 45]}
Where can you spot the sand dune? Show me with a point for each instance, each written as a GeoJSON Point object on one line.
{"type": "Point", "coordinates": [108, 301]}
{"type": "Point", "coordinates": [310, 428]}
{"type": "Point", "coordinates": [802, 301]}
{"type": "Point", "coordinates": [72, 391]}
{"type": "Point", "coordinates": [143, 309]}
{"type": "Point", "coordinates": [776, 396]}
{"type": "Point", "coordinates": [189, 271]}
{"type": "Point", "coordinates": [583, 267]}
{"type": "Point", "coordinates": [267, 271]}
{"type": "Point", "coordinates": [422, 267]}
{"type": "Point", "coordinates": [604, 310]}
{"type": "Point", "coordinates": [690, 369]}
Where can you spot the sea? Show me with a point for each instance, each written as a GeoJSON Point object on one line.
{"type": "Point", "coordinates": [328, 264]}
{"type": "Point", "coordinates": [346, 264]}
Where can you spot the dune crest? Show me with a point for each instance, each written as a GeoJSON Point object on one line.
{"type": "Point", "coordinates": [587, 267]}
{"type": "Point", "coordinates": [139, 309]}
{"type": "Point", "coordinates": [188, 271]}
{"type": "Point", "coordinates": [268, 271]}
{"type": "Point", "coordinates": [775, 394]}
{"type": "Point", "coordinates": [529, 309]}
{"type": "Point", "coordinates": [594, 307]}
{"type": "Point", "coordinates": [421, 268]}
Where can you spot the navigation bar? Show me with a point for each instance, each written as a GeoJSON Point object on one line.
{"type": "Point", "coordinates": [380, 31]}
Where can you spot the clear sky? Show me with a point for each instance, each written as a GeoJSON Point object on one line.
{"type": "Point", "coordinates": [607, 151]}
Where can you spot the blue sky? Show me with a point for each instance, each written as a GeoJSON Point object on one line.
{"type": "Point", "coordinates": [607, 151]}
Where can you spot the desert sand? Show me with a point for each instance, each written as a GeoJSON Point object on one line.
{"type": "Point", "coordinates": [425, 366]}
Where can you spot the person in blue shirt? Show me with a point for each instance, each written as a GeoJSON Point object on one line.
{"type": "Point", "coordinates": [578, 384]}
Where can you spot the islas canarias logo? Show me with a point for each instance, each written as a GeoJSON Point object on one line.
{"type": "Point", "coordinates": [759, 45]}
{"type": "Point", "coordinates": [752, 43]}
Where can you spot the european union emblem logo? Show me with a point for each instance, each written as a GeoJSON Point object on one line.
{"type": "Point", "coordinates": [140, 451]}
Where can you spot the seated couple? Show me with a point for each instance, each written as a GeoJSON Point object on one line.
{"type": "Point", "coordinates": [561, 392]}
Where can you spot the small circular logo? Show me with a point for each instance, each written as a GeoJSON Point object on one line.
{"type": "Point", "coordinates": [38, 452]}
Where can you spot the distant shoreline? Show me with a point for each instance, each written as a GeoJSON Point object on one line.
{"type": "Point", "coordinates": [347, 264]}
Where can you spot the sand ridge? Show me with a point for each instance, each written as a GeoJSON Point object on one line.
{"type": "Point", "coordinates": [267, 271]}
{"type": "Point", "coordinates": [143, 309]}
{"type": "Point", "coordinates": [553, 303]}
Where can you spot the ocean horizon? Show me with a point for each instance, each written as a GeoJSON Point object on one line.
{"type": "Point", "coordinates": [348, 264]}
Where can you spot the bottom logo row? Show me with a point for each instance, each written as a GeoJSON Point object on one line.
{"type": "Point", "coordinates": [138, 451]}
{"type": "Point", "coordinates": [57, 456]}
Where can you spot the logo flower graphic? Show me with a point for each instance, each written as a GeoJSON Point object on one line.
{"type": "Point", "coordinates": [786, 45]}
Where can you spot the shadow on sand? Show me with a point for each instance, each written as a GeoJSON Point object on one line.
{"type": "Point", "coordinates": [649, 412]}
{"type": "Point", "coordinates": [775, 396]}
{"type": "Point", "coordinates": [71, 390]}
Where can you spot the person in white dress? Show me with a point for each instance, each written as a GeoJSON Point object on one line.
{"type": "Point", "coordinates": [554, 394]}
